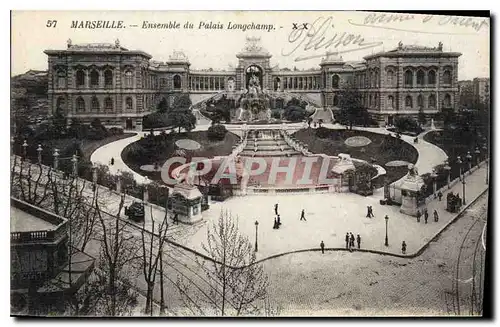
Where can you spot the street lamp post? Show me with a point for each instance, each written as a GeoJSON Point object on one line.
{"type": "Point", "coordinates": [256, 233]}
{"type": "Point", "coordinates": [463, 191]}
{"type": "Point", "coordinates": [459, 162]}
{"type": "Point", "coordinates": [485, 148]}
{"type": "Point", "coordinates": [469, 160]}
{"type": "Point", "coordinates": [477, 153]}
{"type": "Point", "coordinates": [25, 145]}
{"type": "Point", "coordinates": [39, 150]}
{"type": "Point", "coordinates": [434, 184]}
{"type": "Point", "coordinates": [447, 168]}
{"type": "Point", "coordinates": [386, 235]}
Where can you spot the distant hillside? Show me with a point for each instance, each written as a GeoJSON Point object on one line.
{"type": "Point", "coordinates": [29, 93]}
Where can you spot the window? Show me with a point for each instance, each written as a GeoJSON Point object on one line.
{"type": "Point", "coordinates": [335, 81]}
{"type": "Point", "coordinates": [335, 100]}
{"type": "Point", "coordinates": [390, 77]}
{"type": "Point", "coordinates": [390, 101]}
{"type": "Point", "coordinates": [431, 77]}
{"type": "Point", "coordinates": [375, 82]}
{"type": "Point", "coordinates": [447, 77]}
{"type": "Point", "coordinates": [61, 79]}
{"type": "Point", "coordinates": [94, 78]}
{"type": "Point", "coordinates": [408, 102]}
{"type": "Point", "coordinates": [420, 101]}
{"type": "Point", "coordinates": [108, 104]}
{"type": "Point", "coordinates": [80, 78]}
{"type": "Point", "coordinates": [80, 105]}
{"type": "Point", "coordinates": [128, 79]}
{"type": "Point", "coordinates": [60, 104]}
{"type": "Point", "coordinates": [95, 104]}
{"type": "Point", "coordinates": [163, 82]}
{"type": "Point", "coordinates": [432, 101]}
{"type": "Point", "coordinates": [129, 104]}
{"type": "Point", "coordinates": [408, 78]}
{"type": "Point", "coordinates": [420, 77]}
{"type": "Point", "coordinates": [177, 82]}
{"type": "Point", "coordinates": [447, 101]}
{"type": "Point", "coordinates": [108, 78]}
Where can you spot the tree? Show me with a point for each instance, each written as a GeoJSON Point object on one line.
{"type": "Point", "coordinates": [118, 253]}
{"type": "Point", "coordinates": [152, 252]}
{"type": "Point", "coordinates": [217, 132]}
{"type": "Point", "coordinates": [237, 280]}
{"type": "Point", "coordinates": [351, 108]}
{"type": "Point", "coordinates": [162, 106]}
{"type": "Point", "coordinates": [182, 118]}
{"type": "Point", "coordinates": [182, 102]}
{"type": "Point", "coordinates": [421, 117]}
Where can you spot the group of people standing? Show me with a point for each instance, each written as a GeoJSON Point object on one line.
{"type": "Point", "coordinates": [277, 219]}
{"type": "Point", "coordinates": [349, 241]}
{"type": "Point", "coordinates": [426, 215]}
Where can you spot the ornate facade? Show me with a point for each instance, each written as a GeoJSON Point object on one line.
{"type": "Point", "coordinates": [120, 86]}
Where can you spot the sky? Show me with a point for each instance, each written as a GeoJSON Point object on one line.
{"type": "Point", "coordinates": [356, 34]}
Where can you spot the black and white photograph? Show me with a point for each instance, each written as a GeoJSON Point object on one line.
{"type": "Point", "coordinates": [249, 164]}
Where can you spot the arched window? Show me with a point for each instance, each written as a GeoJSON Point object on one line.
{"type": "Point", "coordinates": [420, 77]}
{"type": "Point", "coordinates": [420, 101]}
{"type": "Point", "coordinates": [408, 102]}
{"type": "Point", "coordinates": [129, 103]}
{"type": "Point", "coordinates": [376, 78]}
{"type": "Point", "coordinates": [95, 104]}
{"type": "Point", "coordinates": [80, 78]}
{"type": "Point", "coordinates": [108, 104]}
{"type": "Point", "coordinates": [335, 81]}
{"type": "Point", "coordinates": [60, 104]}
{"type": "Point", "coordinates": [390, 101]}
{"type": "Point", "coordinates": [94, 78]}
{"type": "Point", "coordinates": [447, 77]}
{"type": "Point", "coordinates": [335, 100]}
{"type": "Point", "coordinates": [129, 79]}
{"type": "Point", "coordinates": [80, 104]}
{"type": "Point", "coordinates": [447, 101]}
{"type": "Point", "coordinates": [432, 101]}
{"type": "Point", "coordinates": [408, 78]}
{"type": "Point", "coordinates": [431, 77]}
{"type": "Point", "coordinates": [61, 79]}
{"type": "Point", "coordinates": [390, 77]}
{"type": "Point", "coordinates": [108, 78]}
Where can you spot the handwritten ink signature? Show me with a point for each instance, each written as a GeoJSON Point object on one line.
{"type": "Point", "coordinates": [382, 20]}
{"type": "Point", "coordinates": [317, 36]}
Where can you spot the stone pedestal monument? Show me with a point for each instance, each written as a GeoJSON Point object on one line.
{"type": "Point", "coordinates": [411, 186]}
{"type": "Point", "coordinates": [186, 203]}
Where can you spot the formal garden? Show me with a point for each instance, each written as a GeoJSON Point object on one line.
{"type": "Point", "coordinates": [387, 151]}
{"type": "Point", "coordinates": [148, 155]}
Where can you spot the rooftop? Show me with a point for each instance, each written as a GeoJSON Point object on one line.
{"type": "Point", "coordinates": [22, 221]}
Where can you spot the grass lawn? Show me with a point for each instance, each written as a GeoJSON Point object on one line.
{"type": "Point", "coordinates": [89, 146]}
{"type": "Point", "coordinates": [334, 144]}
{"type": "Point", "coordinates": [449, 144]}
{"type": "Point", "coordinates": [160, 154]}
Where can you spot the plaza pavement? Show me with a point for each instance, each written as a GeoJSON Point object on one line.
{"type": "Point", "coordinates": [329, 216]}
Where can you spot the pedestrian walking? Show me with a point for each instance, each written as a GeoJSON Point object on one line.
{"type": "Point", "coordinates": [419, 214]}
{"type": "Point", "coordinates": [276, 209]}
{"type": "Point", "coordinates": [176, 218]}
{"type": "Point", "coordinates": [358, 239]}
{"type": "Point", "coordinates": [322, 245]}
{"type": "Point", "coordinates": [279, 220]}
{"type": "Point", "coordinates": [112, 161]}
{"type": "Point", "coordinates": [346, 240]}
{"type": "Point", "coordinates": [436, 216]}
{"type": "Point", "coordinates": [403, 247]}
{"type": "Point", "coordinates": [352, 240]}
{"type": "Point", "coordinates": [367, 211]}
{"type": "Point", "coordinates": [426, 215]}
{"type": "Point", "coordinates": [440, 195]}
{"type": "Point", "coordinates": [371, 212]}
{"type": "Point", "coordinates": [303, 215]}
{"type": "Point", "coordinates": [275, 226]}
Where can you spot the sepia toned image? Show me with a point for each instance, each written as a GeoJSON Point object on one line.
{"type": "Point", "coordinates": [249, 163]}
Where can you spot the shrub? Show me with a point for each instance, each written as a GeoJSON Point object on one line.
{"type": "Point", "coordinates": [217, 132]}
{"type": "Point", "coordinates": [407, 123]}
{"type": "Point", "coordinates": [156, 120]}
{"type": "Point", "coordinates": [295, 113]}
{"type": "Point", "coordinates": [116, 131]}
{"type": "Point", "coordinates": [322, 132]}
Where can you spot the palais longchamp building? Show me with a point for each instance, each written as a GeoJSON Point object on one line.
{"type": "Point", "coordinates": [120, 86]}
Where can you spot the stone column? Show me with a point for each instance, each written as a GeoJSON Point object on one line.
{"type": "Point", "coordinates": [56, 159]}
{"type": "Point", "coordinates": [74, 160]}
